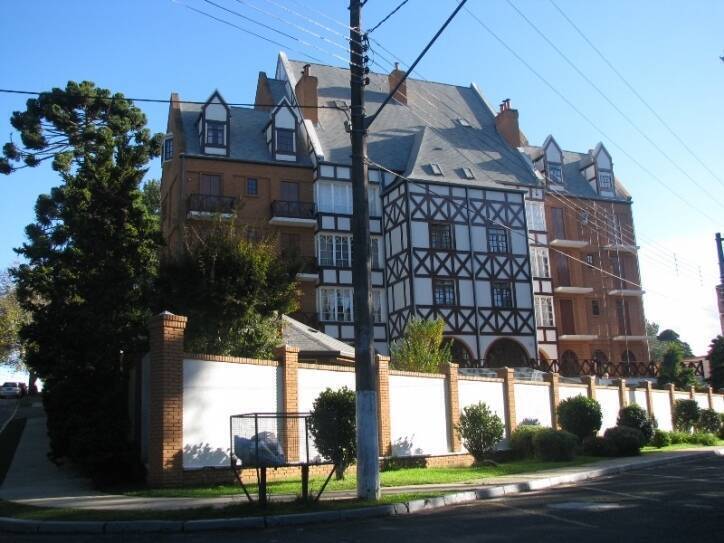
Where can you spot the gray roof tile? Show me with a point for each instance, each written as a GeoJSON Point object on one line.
{"type": "Point", "coordinates": [308, 339]}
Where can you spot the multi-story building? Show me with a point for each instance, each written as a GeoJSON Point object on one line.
{"type": "Point", "coordinates": [448, 202]}
{"type": "Point", "coordinates": [593, 262]}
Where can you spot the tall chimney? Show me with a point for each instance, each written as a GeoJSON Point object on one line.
{"type": "Point", "coordinates": [394, 78]}
{"type": "Point", "coordinates": [506, 122]}
{"type": "Point", "coordinates": [306, 91]}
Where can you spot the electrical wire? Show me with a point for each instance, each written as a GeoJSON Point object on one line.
{"type": "Point", "coordinates": [390, 14]}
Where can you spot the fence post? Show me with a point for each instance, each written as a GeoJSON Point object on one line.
{"type": "Point", "coordinates": [649, 399]}
{"type": "Point", "coordinates": [554, 379]}
{"type": "Point", "coordinates": [692, 392]}
{"type": "Point", "coordinates": [622, 400]}
{"type": "Point", "coordinates": [453, 405]}
{"type": "Point", "coordinates": [508, 376]}
{"type": "Point", "coordinates": [383, 404]}
{"type": "Point", "coordinates": [590, 381]}
{"type": "Point", "coordinates": [165, 432]}
{"type": "Point", "coordinates": [672, 401]}
{"type": "Point", "coordinates": [710, 397]}
{"type": "Point", "coordinates": [289, 362]}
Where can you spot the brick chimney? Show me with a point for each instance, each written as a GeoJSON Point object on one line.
{"type": "Point", "coordinates": [506, 122]}
{"type": "Point", "coordinates": [306, 91]}
{"type": "Point", "coordinates": [394, 78]}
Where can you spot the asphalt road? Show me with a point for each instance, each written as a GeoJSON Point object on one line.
{"type": "Point", "coordinates": [7, 408]}
{"type": "Point", "coordinates": [683, 502]}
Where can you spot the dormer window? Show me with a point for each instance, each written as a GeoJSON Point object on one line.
{"type": "Point", "coordinates": [215, 133]}
{"type": "Point", "coordinates": [555, 174]}
{"type": "Point", "coordinates": [436, 169]}
{"type": "Point", "coordinates": [285, 141]}
{"type": "Point", "coordinates": [605, 182]}
{"type": "Point", "coordinates": [468, 173]}
{"type": "Point", "coordinates": [463, 122]}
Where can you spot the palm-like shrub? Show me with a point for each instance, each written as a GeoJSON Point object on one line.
{"type": "Point", "coordinates": [421, 347]}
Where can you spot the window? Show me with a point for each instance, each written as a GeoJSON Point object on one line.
{"type": "Point", "coordinates": [617, 230]}
{"type": "Point", "coordinates": [595, 308]}
{"type": "Point", "coordinates": [210, 185]}
{"type": "Point", "coordinates": [436, 169]}
{"type": "Point", "coordinates": [544, 311]}
{"type": "Point", "coordinates": [168, 148]}
{"type": "Point", "coordinates": [591, 259]}
{"type": "Point", "coordinates": [334, 251]}
{"type": "Point", "coordinates": [441, 236]}
{"type": "Point", "coordinates": [555, 174]}
{"type": "Point", "coordinates": [502, 294]}
{"type": "Point", "coordinates": [497, 240]}
{"type": "Point", "coordinates": [604, 181]}
{"type": "Point", "coordinates": [583, 217]}
{"type": "Point", "coordinates": [252, 186]}
{"type": "Point", "coordinates": [334, 197]}
{"type": "Point", "coordinates": [215, 133]}
{"type": "Point", "coordinates": [285, 141]}
{"type": "Point", "coordinates": [535, 215]}
{"type": "Point", "coordinates": [375, 255]}
{"type": "Point", "coordinates": [443, 292]}
{"type": "Point", "coordinates": [559, 225]}
{"type": "Point", "coordinates": [463, 122]}
{"type": "Point", "coordinates": [335, 304]}
{"type": "Point", "coordinates": [540, 265]}
{"type": "Point", "coordinates": [377, 305]}
{"type": "Point", "coordinates": [468, 173]}
{"type": "Point", "coordinates": [373, 201]}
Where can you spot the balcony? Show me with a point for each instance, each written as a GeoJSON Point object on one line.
{"type": "Point", "coordinates": [293, 213]}
{"type": "Point", "coordinates": [569, 243]}
{"type": "Point", "coordinates": [633, 292]}
{"type": "Point", "coordinates": [206, 206]}
{"type": "Point", "coordinates": [306, 266]}
{"type": "Point", "coordinates": [573, 290]}
{"type": "Point", "coordinates": [577, 337]}
{"type": "Point", "coordinates": [622, 248]}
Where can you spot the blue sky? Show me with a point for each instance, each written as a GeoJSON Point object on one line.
{"type": "Point", "coordinates": [667, 50]}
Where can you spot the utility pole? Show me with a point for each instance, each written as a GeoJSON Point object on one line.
{"type": "Point", "coordinates": [368, 469]}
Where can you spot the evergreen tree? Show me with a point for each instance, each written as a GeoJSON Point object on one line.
{"type": "Point", "coordinates": [88, 264]}
{"type": "Point", "coordinates": [716, 361]}
{"type": "Point", "coordinates": [673, 369]}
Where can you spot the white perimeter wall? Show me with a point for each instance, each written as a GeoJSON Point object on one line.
{"type": "Point", "coordinates": [567, 391]}
{"type": "Point", "coordinates": [662, 410]}
{"type": "Point", "coordinates": [533, 402]}
{"type": "Point", "coordinates": [610, 405]}
{"type": "Point", "coordinates": [702, 400]}
{"type": "Point", "coordinates": [639, 398]}
{"type": "Point", "coordinates": [212, 392]}
{"type": "Point", "coordinates": [490, 392]}
{"type": "Point", "coordinates": [681, 396]}
{"type": "Point", "coordinates": [718, 401]}
{"type": "Point", "coordinates": [418, 415]}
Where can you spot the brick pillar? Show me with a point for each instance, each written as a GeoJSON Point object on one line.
{"type": "Point", "coordinates": [692, 391]}
{"type": "Point", "coordinates": [649, 399]}
{"type": "Point", "coordinates": [383, 404]}
{"type": "Point", "coordinates": [289, 363]}
{"type": "Point", "coordinates": [622, 399]}
{"type": "Point", "coordinates": [508, 376]}
{"type": "Point", "coordinates": [672, 401]}
{"type": "Point", "coordinates": [453, 405]}
{"type": "Point", "coordinates": [590, 381]}
{"type": "Point", "coordinates": [165, 437]}
{"type": "Point", "coordinates": [710, 397]}
{"type": "Point", "coordinates": [554, 379]}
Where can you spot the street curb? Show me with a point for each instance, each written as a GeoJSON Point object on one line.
{"type": "Point", "coordinates": [18, 526]}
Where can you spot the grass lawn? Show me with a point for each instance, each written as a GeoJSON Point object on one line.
{"type": "Point", "coordinates": [399, 477]}
{"type": "Point", "coordinates": [677, 447]}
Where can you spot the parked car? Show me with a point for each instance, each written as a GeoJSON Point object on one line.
{"type": "Point", "coordinates": [11, 390]}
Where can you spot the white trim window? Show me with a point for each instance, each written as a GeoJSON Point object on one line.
{"type": "Point", "coordinates": [535, 215]}
{"type": "Point", "coordinates": [373, 200]}
{"type": "Point", "coordinates": [555, 174]}
{"type": "Point", "coordinates": [333, 197]}
{"type": "Point", "coordinates": [335, 304]}
{"type": "Point", "coordinates": [377, 313]}
{"type": "Point", "coordinates": [539, 262]}
{"type": "Point", "coordinates": [544, 311]}
{"type": "Point", "coordinates": [376, 253]}
{"type": "Point", "coordinates": [605, 181]}
{"type": "Point", "coordinates": [334, 250]}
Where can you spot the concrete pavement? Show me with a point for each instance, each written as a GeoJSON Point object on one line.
{"type": "Point", "coordinates": [7, 410]}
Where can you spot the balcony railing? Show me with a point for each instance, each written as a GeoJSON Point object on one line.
{"type": "Point", "coordinates": [576, 368]}
{"type": "Point", "coordinates": [293, 209]}
{"type": "Point", "coordinates": [211, 203]}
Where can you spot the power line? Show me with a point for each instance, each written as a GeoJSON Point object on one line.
{"type": "Point", "coordinates": [585, 117]}
{"type": "Point", "coordinates": [390, 14]}
{"type": "Point", "coordinates": [611, 102]}
{"type": "Point", "coordinates": [636, 93]}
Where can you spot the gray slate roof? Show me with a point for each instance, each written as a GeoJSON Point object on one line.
{"type": "Point", "coordinates": [401, 140]}
{"type": "Point", "coordinates": [574, 183]}
{"type": "Point", "coordinates": [310, 340]}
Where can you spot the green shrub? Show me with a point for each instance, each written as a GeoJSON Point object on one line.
{"type": "Point", "coordinates": [721, 427]}
{"type": "Point", "coordinates": [686, 415]}
{"type": "Point", "coordinates": [529, 422]}
{"type": "Point", "coordinates": [624, 440]}
{"type": "Point", "coordinates": [580, 416]}
{"type": "Point", "coordinates": [555, 445]}
{"type": "Point", "coordinates": [661, 439]}
{"type": "Point", "coordinates": [634, 416]}
{"type": "Point", "coordinates": [332, 425]}
{"type": "Point", "coordinates": [480, 429]}
{"type": "Point", "coordinates": [678, 437]}
{"type": "Point", "coordinates": [703, 438]}
{"type": "Point", "coordinates": [521, 441]}
{"type": "Point", "coordinates": [709, 421]}
{"type": "Point", "coordinates": [598, 446]}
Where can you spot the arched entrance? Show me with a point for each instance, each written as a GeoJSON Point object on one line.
{"type": "Point", "coordinates": [569, 364]}
{"type": "Point", "coordinates": [459, 353]}
{"type": "Point", "coordinates": [505, 352]}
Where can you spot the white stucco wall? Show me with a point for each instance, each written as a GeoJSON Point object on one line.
{"type": "Point", "coordinates": [638, 397]}
{"type": "Point", "coordinates": [702, 400]}
{"type": "Point", "coordinates": [681, 396]}
{"type": "Point", "coordinates": [418, 415]}
{"type": "Point", "coordinates": [662, 410]}
{"type": "Point", "coordinates": [533, 401]}
{"type": "Point", "coordinates": [313, 381]}
{"type": "Point", "coordinates": [569, 391]}
{"type": "Point", "coordinates": [212, 391]}
{"type": "Point", "coordinates": [718, 400]}
{"type": "Point", "coordinates": [610, 405]}
{"type": "Point", "coordinates": [490, 392]}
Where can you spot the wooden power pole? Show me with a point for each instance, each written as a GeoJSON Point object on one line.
{"type": "Point", "coordinates": [368, 470]}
